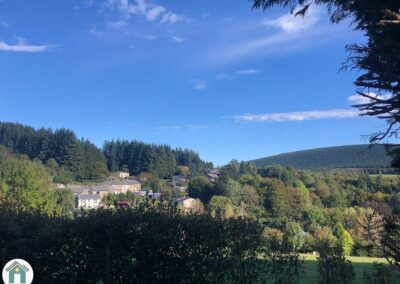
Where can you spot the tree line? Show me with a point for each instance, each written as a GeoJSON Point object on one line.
{"type": "Point", "coordinates": [374, 158]}
{"type": "Point", "coordinates": [70, 158]}
{"type": "Point", "coordinates": [137, 157]}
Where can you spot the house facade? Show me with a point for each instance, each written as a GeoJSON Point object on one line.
{"type": "Point", "coordinates": [90, 201]}
{"type": "Point", "coordinates": [187, 203]}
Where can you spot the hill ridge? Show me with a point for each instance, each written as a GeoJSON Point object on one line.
{"type": "Point", "coordinates": [364, 156]}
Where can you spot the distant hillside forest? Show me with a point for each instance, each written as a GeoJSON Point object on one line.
{"type": "Point", "coordinates": [373, 158]}
{"type": "Point", "coordinates": [70, 158]}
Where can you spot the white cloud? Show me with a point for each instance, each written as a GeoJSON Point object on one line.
{"type": "Point", "coordinates": [290, 23]}
{"type": "Point", "coordinates": [248, 72]}
{"type": "Point", "coordinates": [291, 34]}
{"type": "Point", "coordinates": [117, 25]}
{"type": "Point", "coordinates": [23, 46]}
{"type": "Point", "coordinates": [144, 8]}
{"type": "Point", "coordinates": [171, 18]}
{"type": "Point", "coordinates": [154, 13]}
{"type": "Point", "coordinates": [298, 116]}
{"type": "Point", "coordinates": [94, 31]}
{"type": "Point", "coordinates": [357, 99]}
{"type": "Point", "coordinates": [183, 127]}
{"type": "Point", "coordinates": [178, 39]}
{"type": "Point", "coordinates": [199, 84]}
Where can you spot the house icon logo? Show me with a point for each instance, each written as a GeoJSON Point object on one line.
{"type": "Point", "coordinates": [17, 271]}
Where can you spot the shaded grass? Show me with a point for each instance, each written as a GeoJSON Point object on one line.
{"type": "Point", "coordinates": [360, 265]}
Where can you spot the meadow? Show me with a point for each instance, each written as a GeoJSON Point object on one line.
{"type": "Point", "coordinates": [360, 265]}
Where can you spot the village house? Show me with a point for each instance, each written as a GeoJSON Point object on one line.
{"type": "Point", "coordinates": [120, 174]}
{"type": "Point", "coordinates": [188, 203]}
{"type": "Point", "coordinates": [212, 177]}
{"type": "Point", "coordinates": [178, 180]}
{"type": "Point", "coordinates": [90, 201]}
{"type": "Point", "coordinates": [79, 189]}
{"type": "Point", "coordinates": [123, 186]}
{"type": "Point", "coordinates": [103, 190]}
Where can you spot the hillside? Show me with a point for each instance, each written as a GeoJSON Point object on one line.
{"type": "Point", "coordinates": [349, 156]}
{"type": "Point", "coordinates": [73, 158]}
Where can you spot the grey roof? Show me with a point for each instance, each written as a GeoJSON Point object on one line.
{"type": "Point", "coordinates": [182, 199]}
{"type": "Point", "coordinates": [78, 188]}
{"type": "Point", "coordinates": [120, 182]}
{"type": "Point", "coordinates": [89, 196]}
{"type": "Point", "coordinates": [101, 188]}
{"type": "Point", "coordinates": [212, 175]}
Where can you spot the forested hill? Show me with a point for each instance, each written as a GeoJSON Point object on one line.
{"type": "Point", "coordinates": [350, 156]}
{"type": "Point", "coordinates": [70, 158]}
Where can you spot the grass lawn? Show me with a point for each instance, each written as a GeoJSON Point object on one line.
{"type": "Point", "coordinates": [360, 264]}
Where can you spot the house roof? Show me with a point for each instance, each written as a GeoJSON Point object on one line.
{"type": "Point", "coordinates": [212, 175]}
{"type": "Point", "coordinates": [101, 188]}
{"type": "Point", "coordinates": [78, 188]}
{"type": "Point", "coordinates": [183, 199]}
{"type": "Point", "coordinates": [15, 263]}
{"type": "Point", "coordinates": [120, 182]}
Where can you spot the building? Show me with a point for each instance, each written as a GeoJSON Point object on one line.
{"type": "Point", "coordinates": [102, 190]}
{"type": "Point", "coordinates": [121, 175]}
{"type": "Point", "coordinates": [79, 189]}
{"type": "Point", "coordinates": [123, 186]}
{"type": "Point", "coordinates": [212, 177]}
{"type": "Point", "coordinates": [90, 201]}
{"type": "Point", "coordinates": [188, 203]}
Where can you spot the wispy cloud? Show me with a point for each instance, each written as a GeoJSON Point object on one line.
{"type": "Point", "coordinates": [298, 116]}
{"type": "Point", "coordinates": [117, 25]}
{"type": "Point", "coordinates": [150, 11]}
{"type": "Point", "coordinates": [287, 33]}
{"type": "Point", "coordinates": [199, 84]}
{"type": "Point", "coordinates": [183, 127]}
{"type": "Point", "coordinates": [248, 72]}
{"type": "Point", "coordinates": [4, 24]}
{"type": "Point", "coordinates": [291, 24]}
{"type": "Point", "coordinates": [223, 76]}
{"type": "Point", "coordinates": [178, 39]}
{"type": "Point", "coordinates": [23, 46]}
{"type": "Point", "coordinates": [357, 99]}
{"type": "Point", "coordinates": [94, 31]}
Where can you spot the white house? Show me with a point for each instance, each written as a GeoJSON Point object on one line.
{"type": "Point", "coordinates": [90, 201]}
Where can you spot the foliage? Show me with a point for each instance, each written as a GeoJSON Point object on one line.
{"type": "Point", "coordinates": [25, 186]}
{"type": "Point", "coordinates": [351, 156]}
{"type": "Point", "coordinates": [153, 243]}
{"type": "Point", "coordinates": [200, 187]}
{"type": "Point", "coordinates": [333, 267]}
{"type": "Point", "coordinates": [161, 160]}
{"type": "Point", "coordinates": [221, 207]}
{"type": "Point", "coordinates": [345, 241]}
{"type": "Point", "coordinates": [76, 159]}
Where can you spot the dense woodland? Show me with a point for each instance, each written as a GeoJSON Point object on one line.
{"type": "Point", "coordinates": [71, 158]}
{"type": "Point", "coordinates": [137, 157]}
{"type": "Point", "coordinates": [375, 158]}
{"type": "Point", "coordinates": [303, 204]}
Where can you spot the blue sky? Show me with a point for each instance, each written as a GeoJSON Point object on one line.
{"type": "Point", "coordinates": [213, 76]}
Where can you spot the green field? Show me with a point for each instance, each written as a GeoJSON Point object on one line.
{"type": "Point", "coordinates": [360, 264]}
